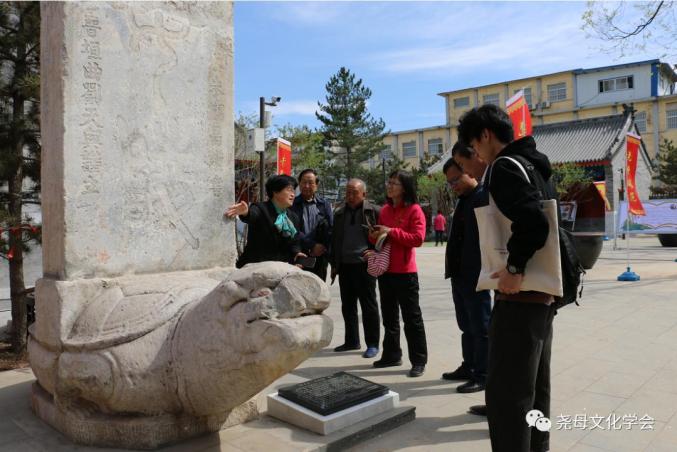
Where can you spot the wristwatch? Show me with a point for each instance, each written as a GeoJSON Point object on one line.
{"type": "Point", "coordinates": [514, 270]}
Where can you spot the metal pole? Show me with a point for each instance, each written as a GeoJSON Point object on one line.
{"type": "Point", "coordinates": [627, 194]}
{"type": "Point", "coordinates": [262, 121]}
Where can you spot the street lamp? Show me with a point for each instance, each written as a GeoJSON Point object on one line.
{"type": "Point", "coordinates": [262, 124]}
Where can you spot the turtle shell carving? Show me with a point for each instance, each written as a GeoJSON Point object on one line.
{"type": "Point", "coordinates": [114, 318]}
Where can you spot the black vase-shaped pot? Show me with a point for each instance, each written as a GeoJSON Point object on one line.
{"type": "Point", "coordinates": [668, 239]}
{"type": "Point", "coordinates": [588, 247]}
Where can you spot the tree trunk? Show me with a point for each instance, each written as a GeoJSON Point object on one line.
{"type": "Point", "coordinates": [15, 186]}
{"type": "Point", "coordinates": [349, 170]}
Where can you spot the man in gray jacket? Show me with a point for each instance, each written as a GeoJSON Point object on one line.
{"type": "Point", "coordinates": [349, 242]}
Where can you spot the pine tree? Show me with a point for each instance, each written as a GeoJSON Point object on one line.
{"type": "Point", "coordinates": [19, 146]}
{"type": "Point", "coordinates": [667, 165]}
{"type": "Point", "coordinates": [351, 133]}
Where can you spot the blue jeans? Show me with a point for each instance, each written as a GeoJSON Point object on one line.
{"type": "Point", "coordinates": [473, 311]}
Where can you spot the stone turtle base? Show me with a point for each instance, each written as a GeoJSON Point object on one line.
{"type": "Point", "coordinates": [87, 426]}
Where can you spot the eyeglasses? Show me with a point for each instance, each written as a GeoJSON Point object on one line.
{"type": "Point", "coordinates": [393, 184]}
{"type": "Point", "coordinates": [452, 182]}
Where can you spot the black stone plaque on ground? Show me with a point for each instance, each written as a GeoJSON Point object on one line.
{"type": "Point", "coordinates": [327, 395]}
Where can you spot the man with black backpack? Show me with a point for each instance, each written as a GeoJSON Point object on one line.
{"type": "Point", "coordinates": [520, 332]}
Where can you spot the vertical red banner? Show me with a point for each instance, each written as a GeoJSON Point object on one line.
{"type": "Point", "coordinates": [283, 157]}
{"type": "Point", "coordinates": [518, 110]}
{"type": "Point", "coordinates": [631, 154]}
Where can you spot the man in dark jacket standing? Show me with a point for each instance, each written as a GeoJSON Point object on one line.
{"type": "Point", "coordinates": [462, 265]}
{"type": "Point", "coordinates": [520, 332]}
{"type": "Point", "coordinates": [349, 242]}
{"type": "Point", "coordinates": [317, 220]}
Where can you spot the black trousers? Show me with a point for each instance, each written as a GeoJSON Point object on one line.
{"type": "Point", "coordinates": [439, 237]}
{"type": "Point", "coordinates": [356, 284]}
{"type": "Point", "coordinates": [473, 311]}
{"type": "Point", "coordinates": [399, 291]}
{"type": "Point", "coordinates": [320, 268]}
{"type": "Point", "coordinates": [518, 380]}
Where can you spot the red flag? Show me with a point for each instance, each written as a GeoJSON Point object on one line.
{"type": "Point", "coordinates": [518, 110]}
{"type": "Point", "coordinates": [631, 154]}
{"type": "Point", "coordinates": [283, 157]}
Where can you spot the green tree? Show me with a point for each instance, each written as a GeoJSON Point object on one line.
{"type": "Point", "coordinates": [350, 132]}
{"type": "Point", "coordinates": [570, 179]}
{"type": "Point", "coordinates": [666, 163]}
{"type": "Point", "coordinates": [307, 147]}
{"type": "Point", "coordinates": [629, 27]}
{"type": "Point", "coordinates": [19, 146]}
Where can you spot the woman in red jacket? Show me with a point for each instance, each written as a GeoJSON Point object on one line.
{"type": "Point", "coordinates": [403, 220]}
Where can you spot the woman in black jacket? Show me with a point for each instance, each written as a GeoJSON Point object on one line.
{"type": "Point", "coordinates": [273, 228]}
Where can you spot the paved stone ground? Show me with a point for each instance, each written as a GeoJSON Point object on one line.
{"type": "Point", "coordinates": [616, 354]}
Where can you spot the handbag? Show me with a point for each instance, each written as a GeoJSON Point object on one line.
{"type": "Point", "coordinates": [543, 272]}
{"type": "Point", "coordinates": [379, 261]}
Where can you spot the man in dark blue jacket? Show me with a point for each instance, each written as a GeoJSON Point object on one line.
{"type": "Point", "coordinates": [317, 221]}
{"type": "Point", "coordinates": [462, 265]}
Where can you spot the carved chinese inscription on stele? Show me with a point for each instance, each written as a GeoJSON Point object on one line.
{"type": "Point", "coordinates": [91, 127]}
{"type": "Point", "coordinates": [149, 148]}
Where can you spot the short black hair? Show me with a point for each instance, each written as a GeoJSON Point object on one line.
{"type": "Point", "coordinates": [489, 117]}
{"type": "Point", "coordinates": [306, 171]}
{"type": "Point", "coordinates": [462, 149]}
{"type": "Point", "coordinates": [279, 182]}
{"type": "Point", "coordinates": [449, 163]}
{"type": "Point", "coordinates": [408, 186]}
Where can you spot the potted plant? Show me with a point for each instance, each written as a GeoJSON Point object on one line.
{"type": "Point", "coordinates": [573, 184]}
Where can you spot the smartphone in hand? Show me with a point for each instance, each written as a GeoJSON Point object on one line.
{"type": "Point", "coordinates": [306, 262]}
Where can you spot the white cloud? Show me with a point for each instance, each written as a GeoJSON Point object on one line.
{"type": "Point", "coordinates": [537, 48]}
{"type": "Point", "coordinates": [295, 107]}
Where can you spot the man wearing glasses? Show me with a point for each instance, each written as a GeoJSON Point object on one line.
{"type": "Point", "coordinates": [462, 265]}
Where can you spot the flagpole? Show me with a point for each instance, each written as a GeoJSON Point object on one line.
{"type": "Point", "coordinates": [628, 275]}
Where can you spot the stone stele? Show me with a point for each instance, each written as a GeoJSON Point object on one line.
{"type": "Point", "coordinates": [144, 333]}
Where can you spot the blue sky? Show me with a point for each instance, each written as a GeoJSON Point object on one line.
{"type": "Point", "coordinates": [406, 52]}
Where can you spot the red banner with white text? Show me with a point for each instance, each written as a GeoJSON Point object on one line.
{"type": "Point", "coordinates": [283, 157]}
{"type": "Point", "coordinates": [631, 155]}
{"type": "Point", "coordinates": [518, 110]}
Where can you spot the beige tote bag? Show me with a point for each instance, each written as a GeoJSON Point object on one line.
{"type": "Point", "coordinates": [543, 272]}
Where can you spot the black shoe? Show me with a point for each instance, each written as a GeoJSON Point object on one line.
{"type": "Point", "coordinates": [459, 374]}
{"type": "Point", "coordinates": [479, 410]}
{"type": "Point", "coordinates": [346, 348]}
{"type": "Point", "coordinates": [384, 363]}
{"type": "Point", "coordinates": [416, 371]}
{"type": "Point", "coordinates": [470, 386]}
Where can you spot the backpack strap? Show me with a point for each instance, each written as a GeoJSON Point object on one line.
{"type": "Point", "coordinates": [516, 162]}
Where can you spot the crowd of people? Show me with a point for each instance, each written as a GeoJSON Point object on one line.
{"type": "Point", "coordinates": [506, 343]}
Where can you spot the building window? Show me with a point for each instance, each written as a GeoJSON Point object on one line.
{"type": "Point", "coordinates": [461, 102]}
{"type": "Point", "coordinates": [409, 150]}
{"type": "Point", "coordinates": [527, 96]}
{"type": "Point", "coordinates": [435, 146]}
{"type": "Point", "coordinates": [671, 116]}
{"type": "Point", "coordinates": [491, 99]}
{"type": "Point", "coordinates": [640, 121]}
{"type": "Point", "coordinates": [616, 84]}
{"type": "Point", "coordinates": [557, 92]}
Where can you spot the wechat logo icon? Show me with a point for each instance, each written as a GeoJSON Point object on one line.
{"type": "Point", "coordinates": [535, 418]}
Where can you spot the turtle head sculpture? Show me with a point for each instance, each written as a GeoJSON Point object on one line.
{"type": "Point", "coordinates": [186, 348]}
